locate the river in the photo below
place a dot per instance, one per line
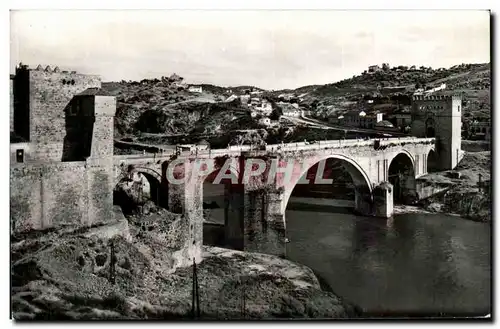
(414, 264)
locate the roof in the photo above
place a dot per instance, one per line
(203, 142)
(384, 123)
(352, 113)
(94, 92)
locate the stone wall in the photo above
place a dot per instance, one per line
(59, 195)
(444, 115)
(49, 95)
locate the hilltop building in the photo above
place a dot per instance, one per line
(195, 89)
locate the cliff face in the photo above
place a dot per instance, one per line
(469, 195)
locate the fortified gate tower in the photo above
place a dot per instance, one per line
(62, 158)
(440, 116)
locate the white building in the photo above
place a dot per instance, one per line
(265, 121)
(195, 89)
(265, 108)
(289, 110)
(360, 119)
(231, 98)
(244, 99)
(441, 87)
(255, 93)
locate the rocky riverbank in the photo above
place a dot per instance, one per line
(68, 276)
(466, 191)
(469, 188)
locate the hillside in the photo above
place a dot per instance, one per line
(394, 86)
(160, 106)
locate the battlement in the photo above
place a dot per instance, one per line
(48, 70)
(436, 97)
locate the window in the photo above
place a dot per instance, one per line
(20, 155)
(458, 107)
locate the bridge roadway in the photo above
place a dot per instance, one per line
(347, 128)
(235, 151)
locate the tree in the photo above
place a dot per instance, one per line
(276, 113)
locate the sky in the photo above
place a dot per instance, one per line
(267, 49)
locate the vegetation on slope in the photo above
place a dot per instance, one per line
(394, 86)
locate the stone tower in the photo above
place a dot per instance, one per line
(67, 122)
(40, 99)
(440, 116)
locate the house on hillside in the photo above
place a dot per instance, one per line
(336, 120)
(441, 87)
(360, 119)
(244, 99)
(370, 120)
(195, 89)
(265, 121)
(231, 98)
(264, 107)
(400, 118)
(481, 130)
(385, 125)
(373, 68)
(289, 110)
(174, 77)
(351, 119)
(255, 93)
(255, 101)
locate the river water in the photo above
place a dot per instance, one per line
(413, 264)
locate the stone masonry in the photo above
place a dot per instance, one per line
(63, 174)
(440, 116)
(255, 210)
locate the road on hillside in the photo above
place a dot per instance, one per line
(309, 120)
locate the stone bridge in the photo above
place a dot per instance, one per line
(255, 205)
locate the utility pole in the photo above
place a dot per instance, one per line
(195, 309)
(243, 301)
(112, 275)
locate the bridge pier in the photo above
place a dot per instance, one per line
(254, 221)
(383, 200)
(264, 229)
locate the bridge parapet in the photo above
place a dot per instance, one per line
(255, 151)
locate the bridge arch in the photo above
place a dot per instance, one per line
(432, 161)
(401, 174)
(143, 183)
(361, 180)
